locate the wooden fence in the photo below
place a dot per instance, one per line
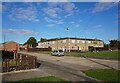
(21, 62)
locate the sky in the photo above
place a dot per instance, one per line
(21, 20)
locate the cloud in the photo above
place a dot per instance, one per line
(98, 26)
(102, 6)
(68, 15)
(69, 7)
(51, 25)
(77, 25)
(29, 13)
(49, 20)
(60, 10)
(72, 22)
(98, 30)
(56, 12)
(108, 0)
(52, 11)
(57, 0)
(60, 22)
(33, 1)
(17, 31)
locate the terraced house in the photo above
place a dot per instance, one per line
(70, 44)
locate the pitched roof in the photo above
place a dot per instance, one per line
(53, 39)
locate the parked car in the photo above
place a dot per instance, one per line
(58, 53)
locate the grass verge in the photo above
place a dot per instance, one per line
(108, 75)
(114, 54)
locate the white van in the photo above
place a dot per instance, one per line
(58, 53)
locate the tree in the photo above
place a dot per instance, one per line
(115, 44)
(32, 42)
(106, 46)
(43, 39)
(25, 43)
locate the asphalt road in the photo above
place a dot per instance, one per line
(66, 67)
(77, 63)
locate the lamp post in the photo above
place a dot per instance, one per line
(68, 39)
(57, 43)
(85, 44)
(4, 40)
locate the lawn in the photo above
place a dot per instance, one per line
(113, 54)
(49, 79)
(108, 75)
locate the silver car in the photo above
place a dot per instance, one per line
(58, 53)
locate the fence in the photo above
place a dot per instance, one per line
(21, 62)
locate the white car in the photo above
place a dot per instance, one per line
(58, 53)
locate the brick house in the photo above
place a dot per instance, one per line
(70, 44)
(10, 46)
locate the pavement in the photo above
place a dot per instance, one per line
(23, 74)
(66, 67)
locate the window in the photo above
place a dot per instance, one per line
(73, 47)
(73, 41)
(78, 41)
(83, 41)
(89, 41)
(60, 51)
(64, 41)
(39, 43)
(53, 42)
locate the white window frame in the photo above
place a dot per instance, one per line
(64, 41)
(83, 41)
(53, 42)
(89, 42)
(73, 41)
(78, 41)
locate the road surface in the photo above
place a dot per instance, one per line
(66, 67)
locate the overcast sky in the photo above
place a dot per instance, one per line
(22, 20)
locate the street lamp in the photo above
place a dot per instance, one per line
(85, 44)
(68, 39)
